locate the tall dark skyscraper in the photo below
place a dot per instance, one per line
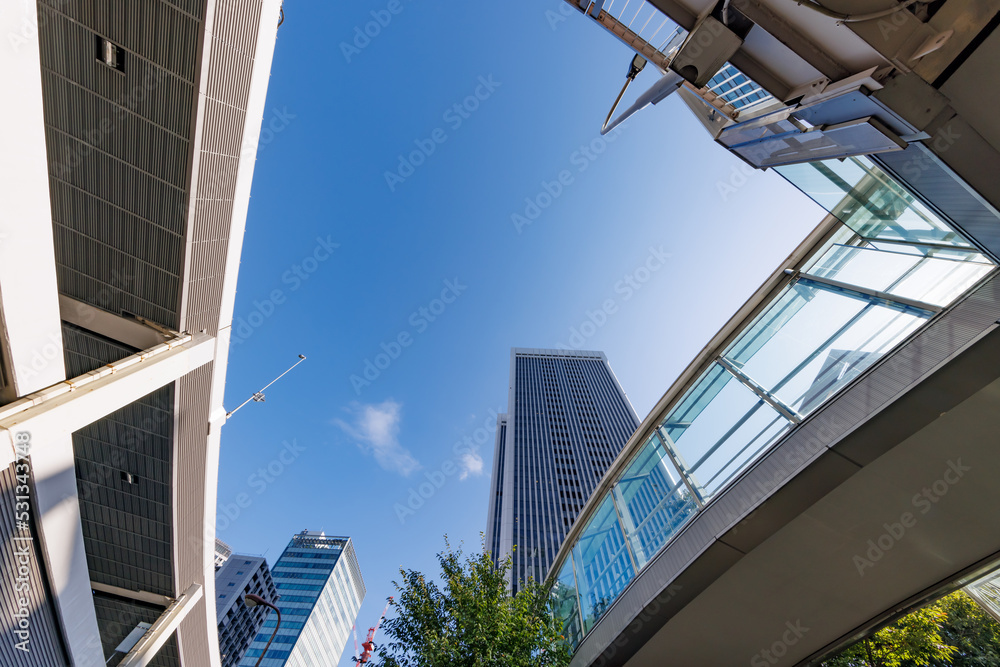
(496, 489)
(567, 419)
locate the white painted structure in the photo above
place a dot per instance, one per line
(54, 279)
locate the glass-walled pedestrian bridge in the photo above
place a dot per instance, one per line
(873, 275)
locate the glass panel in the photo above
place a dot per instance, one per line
(565, 606)
(934, 280)
(736, 88)
(987, 592)
(694, 401)
(811, 342)
(728, 432)
(940, 252)
(843, 236)
(652, 500)
(603, 565)
(868, 201)
(815, 145)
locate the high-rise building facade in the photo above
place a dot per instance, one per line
(126, 187)
(320, 591)
(496, 490)
(238, 623)
(566, 421)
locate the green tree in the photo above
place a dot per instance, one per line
(471, 620)
(915, 639)
(973, 633)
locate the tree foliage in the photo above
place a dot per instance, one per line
(973, 633)
(471, 619)
(952, 632)
(913, 640)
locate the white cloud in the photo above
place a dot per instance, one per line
(375, 428)
(470, 463)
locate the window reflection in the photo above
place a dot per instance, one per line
(565, 605)
(653, 501)
(603, 565)
(891, 267)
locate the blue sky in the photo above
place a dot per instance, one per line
(433, 267)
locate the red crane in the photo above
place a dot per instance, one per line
(369, 643)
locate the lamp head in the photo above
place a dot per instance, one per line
(635, 67)
(252, 600)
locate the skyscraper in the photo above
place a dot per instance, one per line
(566, 421)
(493, 531)
(321, 590)
(238, 623)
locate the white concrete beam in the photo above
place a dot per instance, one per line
(49, 418)
(31, 346)
(70, 405)
(139, 596)
(30, 334)
(154, 639)
(128, 331)
(196, 561)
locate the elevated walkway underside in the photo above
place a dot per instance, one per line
(883, 499)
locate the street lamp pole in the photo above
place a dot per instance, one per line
(667, 84)
(252, 600)
(259, 395)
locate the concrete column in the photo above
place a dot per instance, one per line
(31, 337)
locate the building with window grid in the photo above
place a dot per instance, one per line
(496, 488)
(320, 591)
(238, 623)
(127, 183)
(566, 421)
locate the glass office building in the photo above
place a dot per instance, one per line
(567, 420)
(320, 591)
